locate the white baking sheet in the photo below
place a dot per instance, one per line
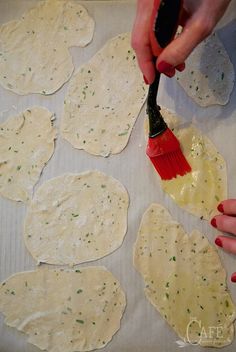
(142, 328)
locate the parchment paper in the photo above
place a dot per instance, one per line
(142, 328)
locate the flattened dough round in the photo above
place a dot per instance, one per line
(200, 191)
(209, 74)
(184, 279)
(47, 31)
(75, 218)
(104, 99)
(26, 144)
(63, 310)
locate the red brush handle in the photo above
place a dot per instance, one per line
(172, 22)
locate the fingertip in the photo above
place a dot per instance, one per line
(213, 222)
(165, 68)
(220, 208)
(218, 242)
(170, 74)
(228, 207)
(233, 277)
(180, 67)
(227, 243)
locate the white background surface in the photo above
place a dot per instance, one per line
(142, 328)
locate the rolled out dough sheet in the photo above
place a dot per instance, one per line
(26, 145)
(184, 280)
(34, 55)
(209, 74)
(200, 191)
(61, 310)
(75, 218)
(104, 99)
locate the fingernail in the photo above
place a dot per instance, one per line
(170, 74)
(180, 67)
(213, 222)
(164, 67)
(220, 208)
(233, 277)
(145, 79)
(218, 242)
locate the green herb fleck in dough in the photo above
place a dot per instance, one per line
(79, 321)
(123, 133)
(173, 258)
(80, 291)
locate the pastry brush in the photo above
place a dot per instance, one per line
(163, 147)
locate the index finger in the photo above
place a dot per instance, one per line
(140, 39)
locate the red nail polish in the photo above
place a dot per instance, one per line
(164, 67)
(180, 67)
(220, 208)
(213, 222)
(218, 242)
(145, 79)
(170, 74)
(233, 277)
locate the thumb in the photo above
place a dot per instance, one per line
(182, 46)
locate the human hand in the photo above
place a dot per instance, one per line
(226, 222)
(198, 19)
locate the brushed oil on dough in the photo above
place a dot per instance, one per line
(184, 279)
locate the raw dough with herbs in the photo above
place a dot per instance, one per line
(26, 144)
(200, 191)
(75, 218)
(190, 293)
(62, 310)
(209, 74)
(34, 55)
(104, 99)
